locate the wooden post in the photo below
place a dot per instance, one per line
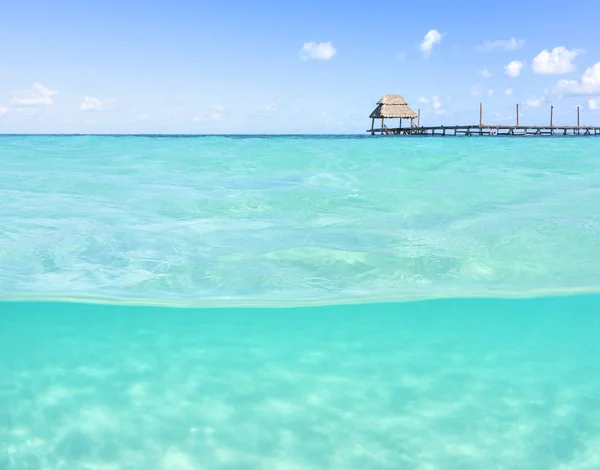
(480, 114)
(578, 116)
(381, 126)
(419, 117)
(373, 124)
(517, 114)
(551, 113)
(400, 123)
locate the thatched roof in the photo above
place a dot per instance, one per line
(389, 111)
(393, 106)
(392, 99)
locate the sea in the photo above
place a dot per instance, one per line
(299, 302)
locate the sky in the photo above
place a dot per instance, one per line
(291, 67)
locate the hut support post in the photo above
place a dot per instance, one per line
(480, 114)
(400, 123)
(419, 118)
(577, 116)
(551, 114)
(517, 114)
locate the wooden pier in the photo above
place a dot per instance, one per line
(394, 106)
(476, 130)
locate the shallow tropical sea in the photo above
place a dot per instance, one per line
(299, 302)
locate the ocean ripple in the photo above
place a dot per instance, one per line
(286, 220)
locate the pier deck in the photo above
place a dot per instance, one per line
(487, 130)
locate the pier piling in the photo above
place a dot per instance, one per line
(480, 114)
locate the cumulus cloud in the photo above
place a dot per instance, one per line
(432, 38)
(38, 95)
(508, 92)
(485, 73)
(557, 61)
(588, 84)
(593, 104)
(513, 69)
(490, 92)
(271, 108)
(214, 113)
(3, 110)
(511, 44)
(95, 104)
(317, 51)
(536, 102)
(435, 104)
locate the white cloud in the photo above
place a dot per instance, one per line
(536, 102)
(508, 92)
(476, 90)
(503, 117)
(490, 92)
(3, 110)
(271, 108)
(588, 84)
(95, 104)
(432, 38)
(317, 50)
(511, 44)
(485, 73)
(593, 104)
(513, 69)
(435, 103)
(557, 61)
(214, 113)
(38, 95)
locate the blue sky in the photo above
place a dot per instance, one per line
(239, 67)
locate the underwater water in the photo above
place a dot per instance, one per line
(299, 303)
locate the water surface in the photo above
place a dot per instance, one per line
(495, 366)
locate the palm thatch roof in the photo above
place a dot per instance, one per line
(393, 106)
(392, 99)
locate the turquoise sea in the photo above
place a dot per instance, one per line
(299, 302)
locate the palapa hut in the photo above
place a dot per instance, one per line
(391, 107)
